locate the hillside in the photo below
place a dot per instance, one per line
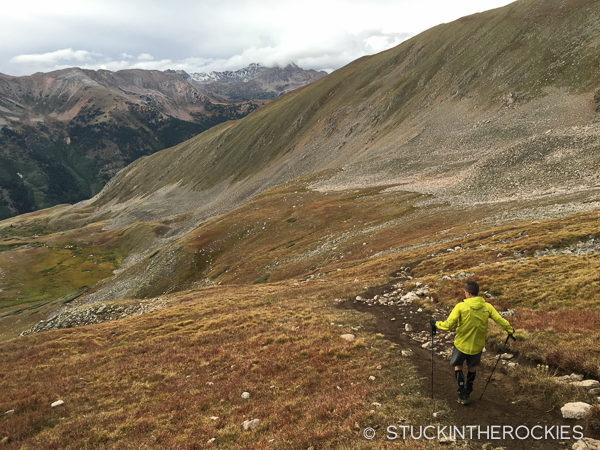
(471, 111)
(359, 204)
(64, 134)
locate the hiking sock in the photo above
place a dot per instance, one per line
(470, 380)
(460, 379)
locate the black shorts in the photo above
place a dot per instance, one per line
(459, 357)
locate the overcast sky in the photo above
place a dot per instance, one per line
(204, 35)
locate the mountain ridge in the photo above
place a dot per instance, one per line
(255, 81)
(67, 132)
(321, 232)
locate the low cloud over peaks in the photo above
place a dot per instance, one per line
(211, 35)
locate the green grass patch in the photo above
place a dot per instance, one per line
(26, 308)
(262, 279)
(70, 297)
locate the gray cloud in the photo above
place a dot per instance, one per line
(211, 34)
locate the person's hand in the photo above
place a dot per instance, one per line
(433, 327)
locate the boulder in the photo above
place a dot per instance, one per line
(57, 403)
(245, 394)
(569, 378)
(348, 337)
(587, 444)
(408, 327)
(250, 424)
(587, 384)
(575, 410)
(411, 296)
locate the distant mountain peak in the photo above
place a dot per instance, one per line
(254, 81)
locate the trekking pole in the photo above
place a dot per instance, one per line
(510, 336)
(433, 330)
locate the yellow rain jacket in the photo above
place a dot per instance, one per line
(472, 316)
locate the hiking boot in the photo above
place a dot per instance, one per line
(463, 397)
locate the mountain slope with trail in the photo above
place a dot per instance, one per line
(467, 152)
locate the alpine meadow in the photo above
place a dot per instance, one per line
(271, 281)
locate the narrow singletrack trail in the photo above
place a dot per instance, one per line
(503, 402)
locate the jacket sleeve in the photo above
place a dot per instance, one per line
(501, 321)
(451, 321)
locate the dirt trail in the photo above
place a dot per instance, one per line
(502, 403)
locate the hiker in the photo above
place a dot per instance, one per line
(471, 315)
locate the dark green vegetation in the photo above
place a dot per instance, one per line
(64, 134)
(56, 171)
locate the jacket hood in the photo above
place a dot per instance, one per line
(475, 302)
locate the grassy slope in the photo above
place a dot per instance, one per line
(127, 381)
(42, 269)
(373, 106)
(157, 379)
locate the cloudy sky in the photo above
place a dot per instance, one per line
(204, 35)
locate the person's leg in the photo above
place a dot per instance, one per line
(456, 362)
(470, 380)
(472, 363)
(460, 380)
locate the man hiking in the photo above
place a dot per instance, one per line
(471, 315)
